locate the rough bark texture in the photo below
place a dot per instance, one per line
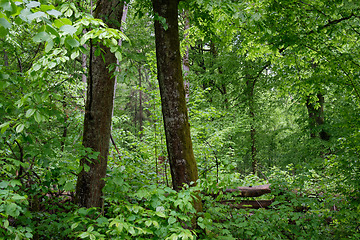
(177, 129)
(98, 112)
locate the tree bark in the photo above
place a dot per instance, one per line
(177, 129)
(98, 112)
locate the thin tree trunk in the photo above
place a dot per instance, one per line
(98, 113)
(177, 129)
(250, 91)
(140, 105)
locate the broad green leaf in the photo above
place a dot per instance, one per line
(5, 23)
(12, 210)
(49, 45)
(30, 112)
(118, 56)
(61, 22)
(41, 37)
(72, 42)
(35, 15)
(32, 4)
(3, 31)
(54, 13)
(45, 7)
(68, 29)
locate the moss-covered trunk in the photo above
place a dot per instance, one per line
(177, 129)
(98, 112)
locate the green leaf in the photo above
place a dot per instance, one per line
(72, 42)
(49, 45)
(74, 55)
(30, 112)
(83, 235)
(45, 8)
(68, 29)
(171, 220)
(41, 36)
(35, 15)
(32, 4)
(3, 31)
(74, 225)
(118, 55)
(5, 23)
(61, 22)
(4, 126)
(12, 210)
(38, 117)
(19, 128)
(54, 13)
(6, 224)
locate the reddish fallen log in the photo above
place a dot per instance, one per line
(254, 191)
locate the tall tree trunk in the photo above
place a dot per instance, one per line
(140, 105)
(250, 85)
(177, 129)
(316, 117)
(98, 112)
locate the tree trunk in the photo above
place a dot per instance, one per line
(177, 129)
(316, 117)
(98, 112)
(250, 85)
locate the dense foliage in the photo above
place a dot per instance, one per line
(273, 97)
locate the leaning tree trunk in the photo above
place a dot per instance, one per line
(98, 112)
(177, 129)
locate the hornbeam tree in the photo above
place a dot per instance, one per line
(177, 129)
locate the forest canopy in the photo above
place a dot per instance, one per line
(181, 119)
